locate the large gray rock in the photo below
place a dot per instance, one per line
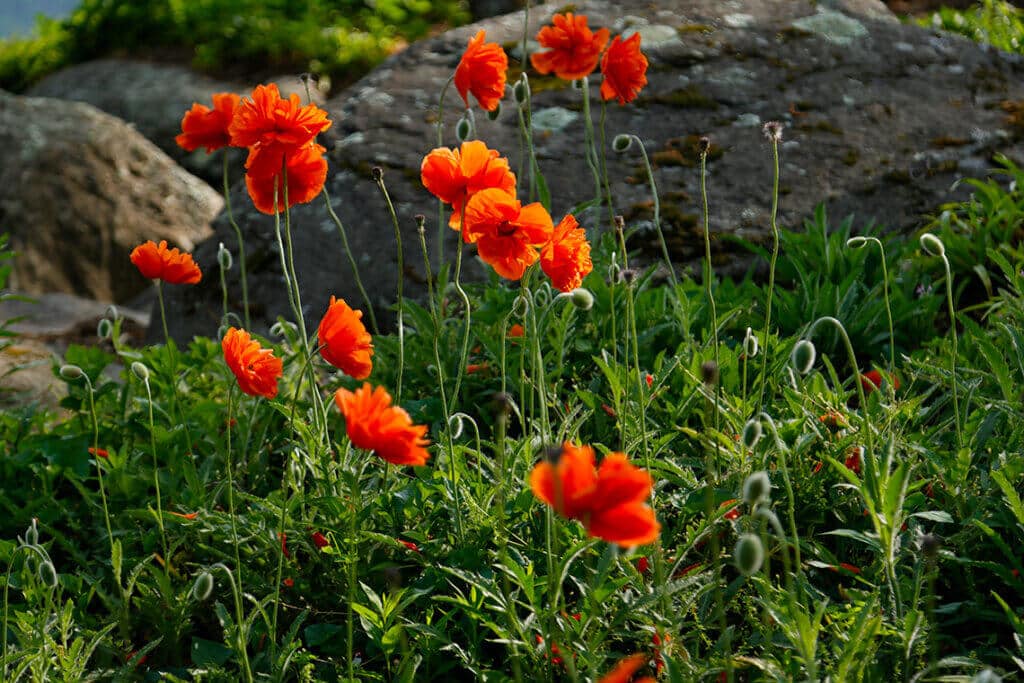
(79, 189)
(881, 119)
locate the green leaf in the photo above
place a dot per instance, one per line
(208, 653)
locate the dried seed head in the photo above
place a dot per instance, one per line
(703, 145)
(503, 403)
(803, 356)
(709, 372)
(620, 223)
(421, 223)
(933, 245)
(203, 586)
(627, 275)
(752, 432)
(224, 257)
(757, 488)
(748, 554)
(582, 299)
(622, 142)
(750, 345)
(140, 371)
(772, 131)
(48, 574)
(377, 173)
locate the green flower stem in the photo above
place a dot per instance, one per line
(888, 308)
(351, 260)
(771, 271)
(657, 210)
(790, 499)
(156, 477)
(401, 277)
(604, 167)
(523, 113)
(952, 358)
(241, 632)
(464, 354)
(99, 469)
(241, 247)
(865, 425)
(589, 139)
(172, 359)
(442, 224)
(231, 492)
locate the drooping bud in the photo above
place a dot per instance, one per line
(140, 371)
(750, 345)
(71, 372)
(494, 113)
(622, 142)
(803, 356)
(857, 242)
(582, 299)
(463, 129)
(748, 554)
(203, 586)
(933, 245)
(752, 432)
(48, 574)
(224, 257)
(521, 90)
(757, 488)
(104, 328)
(377, 173)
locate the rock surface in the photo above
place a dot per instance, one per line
(79, 189)
(881, 119)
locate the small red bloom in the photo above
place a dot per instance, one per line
(157, 262)
(643, 565)
(872, 379)
(733, 513)
(319, 540)
(649, 378)
(657, 641)
(687, 570)
(608, 410)
(624, 670)
(346, 343)
(189, 515)
(482, 72)
(205, 127)
(284, 545)
(409, 544)
(573, 50)
(255, 368)
(288, 583)
(99, 452)
(853, 459)
(625, 70)
(818, 466)
(516, 331)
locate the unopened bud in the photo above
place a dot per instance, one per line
(224, 257)
(521, 90)
(140, 371)
(455, 423)
(32, 534)
(104, 328)
(203, 586)
(752, 432)
(622, 142)
(377, 173)
(803, 356)
(709, 372)
(750, 345)
(757, 488)
(463, 130)
(748, 554)
(582, 299)
(494, 113)
(71, 372)
(48, 574)
(933, 245)
(857, 242)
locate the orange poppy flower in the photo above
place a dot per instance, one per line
(345, 341)
(566, 258)
(255, 367)
(482, 72)
(624, 68)
(573, 49)
(205, 127)
(274, 127)
(307, 172)
(455, 175)
(99, 452)
(373, 424)
(624, 670)
(184, 515)
(507, 234)
(516, 331)
(872, 379)
(157, 262)
(608, 500)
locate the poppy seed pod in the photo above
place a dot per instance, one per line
(933, 245)
(750, 345)
(703, 145)
(622, 142)
(582, 299)
(203, 586)
(803, 356)
(857, 242)
(463, 129)
(224, 257)
(71, 372)
(758, 487)
(752, 432)
(48, 574)
(494, 113)
(104, 328)
(140, 371)
(748, 554)
(521, 90)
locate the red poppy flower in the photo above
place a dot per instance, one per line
(284, 545)
(507, 234)
(306, 174)
(319, 540)
(624, 68)
(473, 368)
(373, 424)
(657, 641)
(846, 566)
(288, 583)
(274, 127)
(205, 127)
(608, 410)
(157, 262)
(516, 331)
(345, 341)
(649, 378)
(643, 565)
(733, 513)
(455, 175)
(624, 670)
(482, 72)
(573, 49)
(853, 458)
(255, 367)
(410, 545)
(608, 500)
(566, 258)
(99, 452)
(189, 516)
(872, 379)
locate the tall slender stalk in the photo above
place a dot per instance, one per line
(378, 174)
(657, 209)
(464, 354)
(774, 132)
(351, 260)
(156, 477)
(441, 222)
(241, 245)
(231, 489)
(604, 164)
(172, 359)
(589, 141)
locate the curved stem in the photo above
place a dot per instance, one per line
(952, 360)
(241, 245)
(657, 209)
(858, 378)
(351, 260)
(401, 278)
(464, 355)
(589, 139)
(604, 164)
(771, 272)
(156, 478)
(441, 222)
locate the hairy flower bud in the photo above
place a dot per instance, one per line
(140, 371)
(224, 257)
(622, 142)
(803, 356)
(494, 113)
(463, 129)
(582, 299)
(933, 245)
(752, 432)
(104, 328)
(750, 345)
(48, 574)
(772, 131)
(203, 586)
(71, 372)
(857, 242)
(521, 90)
(757, 488)
(748, 554)
(32, 533)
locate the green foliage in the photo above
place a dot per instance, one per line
(998, 22)
(339, 39)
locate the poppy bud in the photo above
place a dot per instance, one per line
(582, 299)
(748, 554)
(224, 257)
(521, 90)
(494, 113)
(622, 142)
(709, 372)
(752, 433)
(620, 223)
(203, 586)
(933, 245)
(464, 129)
(456, 424)
(857, 242)
(140, 371)
(71, 372)
(757, 488)
(750, 345)
(48, 574)
(112, 312)
(803, 356)
(104, 328)
(32, 534)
